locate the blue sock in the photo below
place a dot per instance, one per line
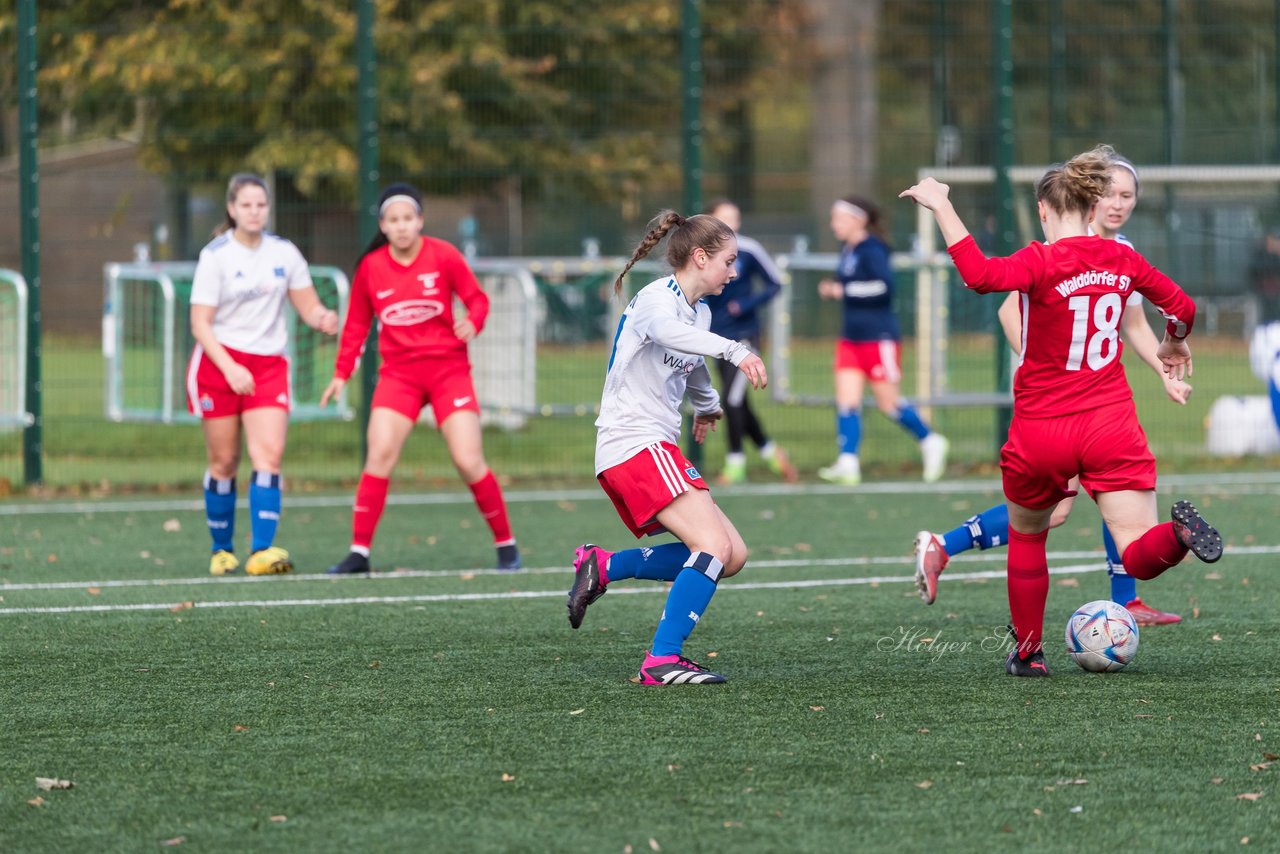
(659, 563)
(688, 599)
(988, 529)
(220, 511)
(1124, 587)
(264, 508)
(1274, 391)
(910, 420)
(848, 430)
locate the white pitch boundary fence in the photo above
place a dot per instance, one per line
(13, 355)
(146, 342)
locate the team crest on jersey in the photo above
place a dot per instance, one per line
(279, 272)
(206, 403)
(410, 312)
(692, 473)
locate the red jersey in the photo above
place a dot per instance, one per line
(413, 304)
(1074, 291)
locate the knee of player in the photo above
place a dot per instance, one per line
(737, 560)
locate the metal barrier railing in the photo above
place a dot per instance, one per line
(13, 354)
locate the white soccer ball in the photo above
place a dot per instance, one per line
(1102, 636)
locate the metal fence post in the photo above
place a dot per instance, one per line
(367, 192)
(29, 202)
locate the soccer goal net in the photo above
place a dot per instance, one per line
(146, 343)
(13, 350)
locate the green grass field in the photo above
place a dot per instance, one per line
(86, 453)
(440, 706)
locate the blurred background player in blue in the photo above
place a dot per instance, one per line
(735, 315)
(991, 527)
(869, 349)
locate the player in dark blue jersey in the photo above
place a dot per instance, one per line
(869, 349)
(735, 315)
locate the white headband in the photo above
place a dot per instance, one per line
(400, 197)
(850, 208)
(1132, 171)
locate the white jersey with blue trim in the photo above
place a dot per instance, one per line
(1135, 298)
(247, 286)
(658, 357)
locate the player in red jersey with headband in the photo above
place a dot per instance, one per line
(1073, 409)
(408, 281)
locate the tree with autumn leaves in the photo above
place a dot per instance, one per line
(470, 92)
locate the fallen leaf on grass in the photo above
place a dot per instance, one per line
(1248, 796)
(94, 591)
(1212, 576)
(1215, 780)
(924, 730)
(817, 708)
(924, 784)
(468, 576)
(46, 784)
(507, 778)
(1037, 812)
(1271, 757)
(1216, 637)
(53, 558)
(37, 801)
(712, 654)
(279, 818)
(172, 526)
(1144, 716)
(1079, 781)
(577, 711)
(183, 606)
(1076, 808)
(653, 844)
(240, 728)
(1068, 582)
(375, 664)
(177, 840)
(803, 547)
(1195, 613)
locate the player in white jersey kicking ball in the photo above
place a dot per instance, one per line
(658, 357)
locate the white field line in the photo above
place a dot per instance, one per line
(512, 594)
(994, 556)
(1241, 483)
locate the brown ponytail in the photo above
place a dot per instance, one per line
(702, 231)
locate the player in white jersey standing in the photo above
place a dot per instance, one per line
(658, 357)
(238, 379)
(991, 527)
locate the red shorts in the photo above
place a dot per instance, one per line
(1106, 447)
(444, 384)
(881, 361)
(209, 396)
(648, 482)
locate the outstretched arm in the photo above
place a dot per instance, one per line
(934, 195)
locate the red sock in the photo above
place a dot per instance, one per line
(493, 508)
(371, 498)
(1154, 552)
(1028, 572)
